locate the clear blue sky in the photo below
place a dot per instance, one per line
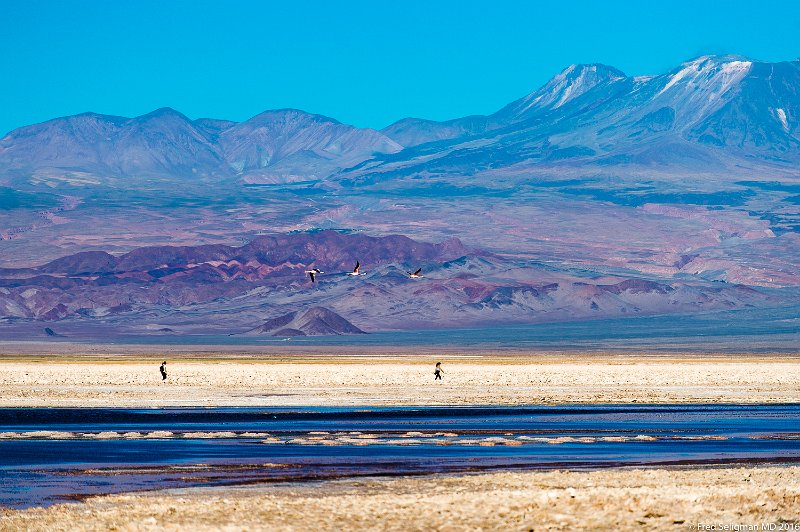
(366, 63)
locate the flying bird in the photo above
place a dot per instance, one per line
(416, 275)
(313, 272)
(355, 271)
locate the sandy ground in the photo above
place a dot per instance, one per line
(133, 380)
(622, 499)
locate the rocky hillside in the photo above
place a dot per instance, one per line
(233, 290)
(316, 321)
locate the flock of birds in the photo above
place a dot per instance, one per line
(313, 272)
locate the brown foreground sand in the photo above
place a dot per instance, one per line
(622, 499)
(133, 380)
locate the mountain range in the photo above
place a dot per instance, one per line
(272, 146)
(709, 111)
(598, 194)
(722, 102)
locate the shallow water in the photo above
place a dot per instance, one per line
(52, 455)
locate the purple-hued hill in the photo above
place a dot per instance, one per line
(230, 290)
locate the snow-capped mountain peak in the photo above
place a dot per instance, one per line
(715, 75)
(574, 81)
(571, 83)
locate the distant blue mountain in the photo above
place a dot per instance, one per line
(702, 114)
(717, 100)
(275, 146)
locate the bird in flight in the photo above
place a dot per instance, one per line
(313, 272)
(355, 271)
(416, 275)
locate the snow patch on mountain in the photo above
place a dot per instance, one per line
(782, 119)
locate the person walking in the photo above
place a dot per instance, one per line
(438, 372)
(163, 370)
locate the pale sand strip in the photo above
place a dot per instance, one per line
(294, 380)
(623, 499)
